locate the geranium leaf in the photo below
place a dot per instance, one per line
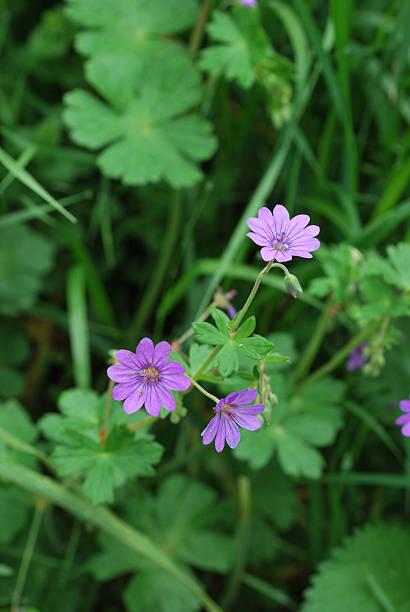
(242, 44)
(371, 563)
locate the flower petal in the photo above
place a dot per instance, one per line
(247, 396)
(254, 409)
(265, 215)
(405, 405)
(121, 374)
(284, 255)
(300, 253)
(135, 400)
(171, 368)
(162, 353)
(123, 390)
(220, 435)
(297, 224)
(176, 382)
(259, 239)
(311, 230)
(211, 430)
(280, 219)
(152, 401)
(128, 359)
(145, 351)
(247, 421)
(404, 418)
(268, 254)
(166, 397)
(261, 226)
(306, 244)
(232, 433)
(405, 430)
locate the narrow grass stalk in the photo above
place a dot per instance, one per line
(10, 440)
(104, 428)
(29, 181)
(158, 276)
(198, 31)
(27, 555)
(103, 519)
(242, 542)
(264, 588)
(314, 343)
(341, 355)
(78, 327)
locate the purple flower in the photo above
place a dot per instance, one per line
(230, 309)
(357, 358)
(249, 2)
(232, 411)
(404, 419)
(146, 377)
(281, 237)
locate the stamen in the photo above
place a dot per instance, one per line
(280, 243)
(150, 375)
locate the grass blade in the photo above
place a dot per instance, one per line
(103, 519)
(375, 426)
(78, 327)
(15, 168)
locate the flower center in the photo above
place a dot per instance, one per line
(150, 375)
(228, 410)
(280, 243)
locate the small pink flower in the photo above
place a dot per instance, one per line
(249, 2)
(146, 377)
(232, 411)
(281, 237)
(404, 419)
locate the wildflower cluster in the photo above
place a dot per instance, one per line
(149, 377)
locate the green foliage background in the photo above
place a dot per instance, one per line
(136, 139)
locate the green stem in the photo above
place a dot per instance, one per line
(265, 588)
(147, 421)
(147, 302)
(104, 428)
(314, 343)
(242, 312)
(342, 353)
(202, 390)
(14, 442)
(242, 541)
(203, 317)
(27, 555)
(198, 30)
(103, 519)
(206, 363)
(254, 289)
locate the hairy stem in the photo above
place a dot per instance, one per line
(253, 292)
(202, 390)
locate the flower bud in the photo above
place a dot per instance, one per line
(292, 285)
